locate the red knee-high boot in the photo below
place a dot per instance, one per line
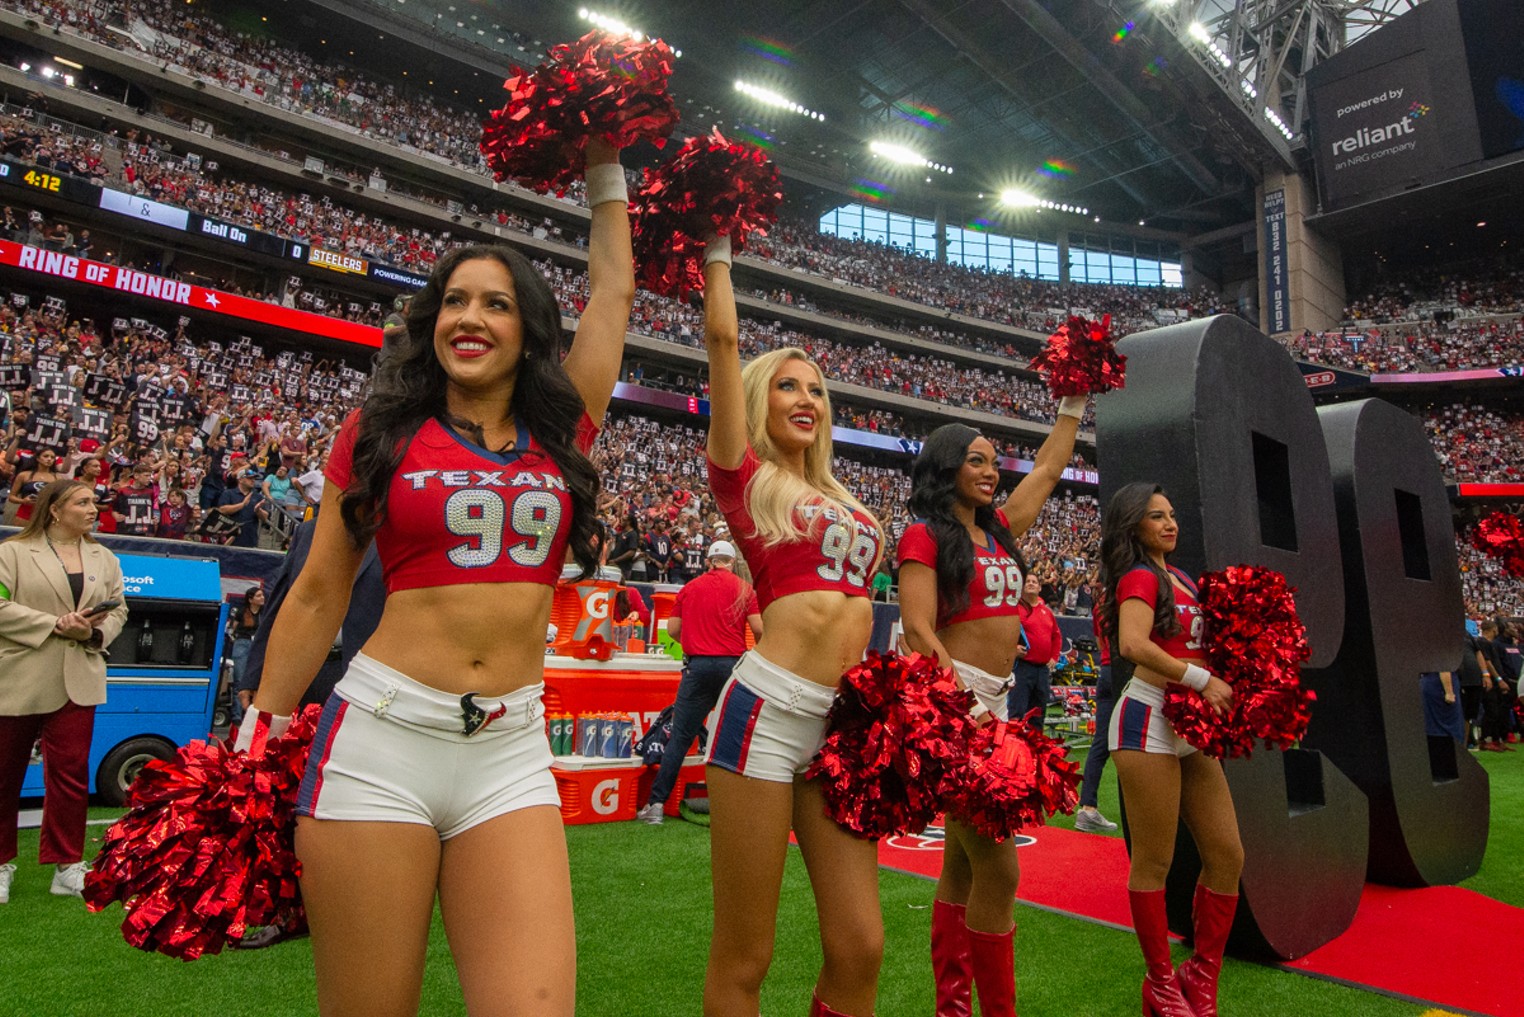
(994, 956)
(1161, 992)
(951, 962)
(1212, 916)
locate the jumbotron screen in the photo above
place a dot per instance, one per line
(1435, 93)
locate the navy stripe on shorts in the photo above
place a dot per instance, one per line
(737, 720)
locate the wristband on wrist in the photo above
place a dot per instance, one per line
(717, 249)
(1072, 406)
(1196, 677)
(259, 728)
(605, 182)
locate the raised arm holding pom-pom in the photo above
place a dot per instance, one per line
(811, 548)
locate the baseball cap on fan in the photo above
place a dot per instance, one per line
(722, 549)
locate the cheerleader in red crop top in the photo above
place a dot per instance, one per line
(430, 769)
(1151, 608)
(961, 579)
(812, 549)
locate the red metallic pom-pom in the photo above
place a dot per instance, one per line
(205, 850)
(1081, 358)
(1013, 776)
(596, 87)
(710, 186)
(896, 726)
(1255, 642)
(1500, 536)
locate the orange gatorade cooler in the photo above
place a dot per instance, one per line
(598, 790)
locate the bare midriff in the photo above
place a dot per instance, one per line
(487, 638)
(987, 643)
(817, 634)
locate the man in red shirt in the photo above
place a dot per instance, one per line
(709, 619)
(1041, 642)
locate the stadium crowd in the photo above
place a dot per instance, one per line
(1476, 444)
(211, 426)
(216, 427)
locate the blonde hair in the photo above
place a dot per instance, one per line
(774, 493)
(42, 508)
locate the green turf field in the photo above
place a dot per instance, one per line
(643, 925)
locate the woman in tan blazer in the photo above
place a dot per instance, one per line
(54, 578)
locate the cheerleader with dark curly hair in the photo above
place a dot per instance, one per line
(961, 580)
(429, 773)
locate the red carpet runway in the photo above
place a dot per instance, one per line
(1431, 946)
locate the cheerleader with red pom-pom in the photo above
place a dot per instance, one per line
(429, 773)
(812, 548)
(1152, 614)
(961, 578)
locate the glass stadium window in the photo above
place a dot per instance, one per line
(1047, 261)
(1148, 273)
(1124, 270)
(875, 226)
(1172, 276)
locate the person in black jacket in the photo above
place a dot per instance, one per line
(365, 606)
(1496, 691)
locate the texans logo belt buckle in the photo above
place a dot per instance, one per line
(473, 717)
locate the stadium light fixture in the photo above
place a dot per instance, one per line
(1278, 123)
(68, 63)
(768, 97)
(614, 26)
(904, 156)
(1015, 197)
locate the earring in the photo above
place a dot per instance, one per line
(528, 355)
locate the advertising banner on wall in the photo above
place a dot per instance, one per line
(1277, 287)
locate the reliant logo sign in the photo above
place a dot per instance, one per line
(1381, 128)
(1398, 132)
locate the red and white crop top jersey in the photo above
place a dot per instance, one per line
(457, 513)
(994, 591)
(836, 554)
(1142, 582)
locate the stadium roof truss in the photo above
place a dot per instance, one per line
(1258, 53)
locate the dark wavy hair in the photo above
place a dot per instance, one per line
(1121, 552)
(933, 492)
(409, 387)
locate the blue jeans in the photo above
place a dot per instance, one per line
(699, 690)
(1033, 689)
(1100, 746)
(240, 655)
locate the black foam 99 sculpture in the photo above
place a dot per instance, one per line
(1220, 416)
(1429, 803)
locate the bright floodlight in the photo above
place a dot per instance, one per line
(1198, 32)
(611, 25)
(905, 156)
(768, 97)
(897, 153)
(1019, 199)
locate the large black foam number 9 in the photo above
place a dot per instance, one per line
(847, 552)
(480, 513)
(1218, 414)
(1004, 585)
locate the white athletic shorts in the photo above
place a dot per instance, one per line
(770, 722)
(389, 749)
(987, 688)
(1138, 722)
